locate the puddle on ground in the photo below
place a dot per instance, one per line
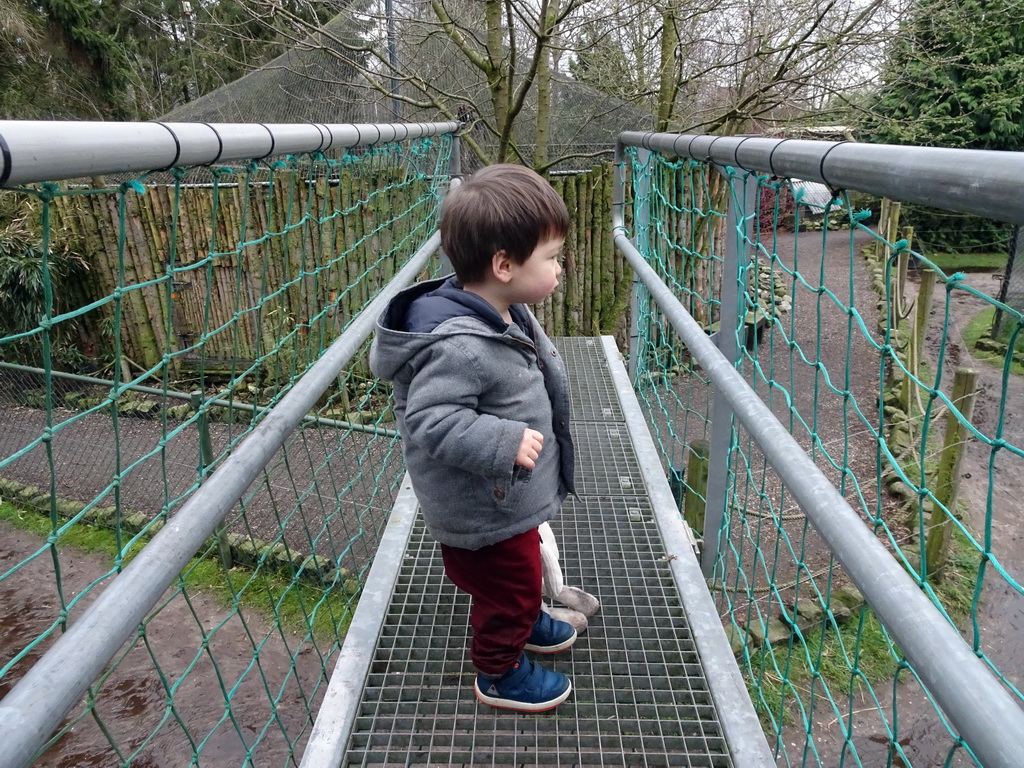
(132, 706)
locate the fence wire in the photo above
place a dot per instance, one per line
(201, 296)
(831, 339)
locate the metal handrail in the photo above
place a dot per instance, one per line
(37, 150)
(982, 182)
(987, 717)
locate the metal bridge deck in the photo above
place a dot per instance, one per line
(640, 697)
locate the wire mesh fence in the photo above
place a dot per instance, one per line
(188, 303)
(869, 368)
(204, 295)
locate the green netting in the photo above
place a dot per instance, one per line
(201, 296)
(828, 338)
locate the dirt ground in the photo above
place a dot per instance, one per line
(357, 468)
(999, 620)
(221, 693)
(1001, 616)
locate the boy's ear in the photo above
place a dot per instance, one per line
(501, 266)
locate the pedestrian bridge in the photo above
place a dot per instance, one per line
(212, 556)
(655, 680)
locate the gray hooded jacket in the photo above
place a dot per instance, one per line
(467, 385)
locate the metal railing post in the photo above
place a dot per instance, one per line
(735, 261)
(455, 163)
(641, 238)
(206, 458)
(455, 176)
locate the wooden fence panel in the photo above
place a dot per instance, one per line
(312, 260)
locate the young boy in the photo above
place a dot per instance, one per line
(482, 402)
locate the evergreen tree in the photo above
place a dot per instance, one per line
(60, 58)
(133, 59)
(954, 79)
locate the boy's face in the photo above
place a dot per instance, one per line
(537, 277)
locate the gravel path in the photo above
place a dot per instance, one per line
(1000, 616)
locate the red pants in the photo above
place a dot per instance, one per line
(504, 581)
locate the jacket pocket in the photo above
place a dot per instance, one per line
(509, 493)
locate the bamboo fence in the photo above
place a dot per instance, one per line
(277, 266)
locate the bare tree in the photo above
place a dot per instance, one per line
(719, 67)
(512, 65)
(499, 61)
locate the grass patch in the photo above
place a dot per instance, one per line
(979, 328)
(968, 262)
(294, 604)
(85, 538)
(821, 661)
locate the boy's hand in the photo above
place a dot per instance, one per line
(530, 448)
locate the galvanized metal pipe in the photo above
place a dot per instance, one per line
(340, 706)
(455, 162)
(985, 715)
(642, 223)
(737, 257)
(36, 150)
(189, 397)
(51, 687)
(983, 182)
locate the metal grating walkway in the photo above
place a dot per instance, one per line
(640, 693)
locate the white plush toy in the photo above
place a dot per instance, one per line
(578, 605)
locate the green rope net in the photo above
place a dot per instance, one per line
(840, 334)
(200, 296)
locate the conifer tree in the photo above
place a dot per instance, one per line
(954, 79)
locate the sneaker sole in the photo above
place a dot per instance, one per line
(520, 706)
(552, 648)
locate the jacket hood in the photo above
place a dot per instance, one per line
(409, 323)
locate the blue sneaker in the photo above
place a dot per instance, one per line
(527, 687)
(550, 635)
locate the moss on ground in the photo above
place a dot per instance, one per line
(297, 605)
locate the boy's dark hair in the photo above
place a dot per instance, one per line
(499, 208)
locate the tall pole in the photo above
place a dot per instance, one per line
(396, 106)
(193, 83)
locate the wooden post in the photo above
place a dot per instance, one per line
(696, 490)
(883, 228)
(924, 308)
(947, 485)
(911, 350)
(896, 285)
(206, 458)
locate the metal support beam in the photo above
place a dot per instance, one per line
(641, 228)
(736, 259)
